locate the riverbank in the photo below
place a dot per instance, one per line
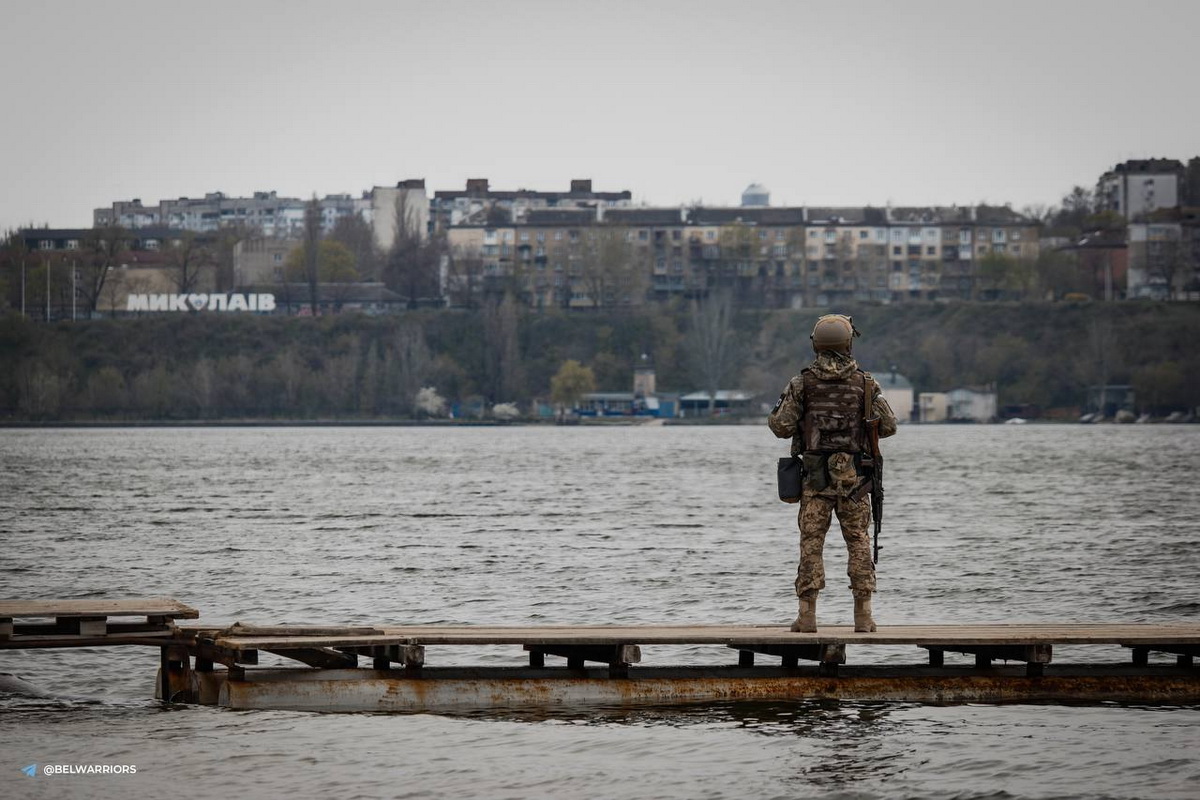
(206, 367)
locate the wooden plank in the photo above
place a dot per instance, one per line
(46, 642)
(733, 635)
(238, 629)
(69, 626)
(98, 607)
(320, 657)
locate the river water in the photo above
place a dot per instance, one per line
(635, 524)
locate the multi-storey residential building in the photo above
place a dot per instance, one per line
(1164, 256)
(478, 204)
(846, 250)
(389, 204)
(265, 212)
(757, 253)
(658, 240)
(767, 257)
(1139, 187)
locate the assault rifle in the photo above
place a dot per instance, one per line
(874, 464)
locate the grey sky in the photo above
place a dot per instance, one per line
(823, 102)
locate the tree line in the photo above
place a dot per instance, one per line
(196, 366)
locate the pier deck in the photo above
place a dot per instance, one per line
(397, 677)
(89, 622)
(619, 646)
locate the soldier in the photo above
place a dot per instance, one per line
(823, 410)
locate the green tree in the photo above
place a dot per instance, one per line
(1077, 206)
(335, 263)
(1004, 275)
(1161, 387)
(106, 392)
(335, 268)
(570, 384)
(1058, 271)
(355, 233)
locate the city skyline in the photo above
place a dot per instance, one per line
(929, 104)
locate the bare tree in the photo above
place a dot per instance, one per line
(503, 372)
(102, 251)
(1102, 357)
(187, 258)
(1166, 260)
(413, 264)
(712, 346)
(224, 247)
(609, 268)
(465, 277)
(312, 238)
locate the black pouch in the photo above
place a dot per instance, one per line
(791, 476)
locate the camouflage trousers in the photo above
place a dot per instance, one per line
(854, 516)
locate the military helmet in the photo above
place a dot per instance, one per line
(833, 332)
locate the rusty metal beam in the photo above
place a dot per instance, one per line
(447, 688)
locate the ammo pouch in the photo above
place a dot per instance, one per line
(791, 476)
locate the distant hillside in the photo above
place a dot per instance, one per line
(224, 366)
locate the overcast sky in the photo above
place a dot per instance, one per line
(825, 103)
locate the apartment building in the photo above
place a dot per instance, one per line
(1164, 256)
(389, 207)
(1141, 186)
(479, 204)
(266, 212)
(766, 257)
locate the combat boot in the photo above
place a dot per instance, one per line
(863, 623)
(806, 620)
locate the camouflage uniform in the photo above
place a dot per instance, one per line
(831, 479)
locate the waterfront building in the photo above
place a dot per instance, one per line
(971, 404)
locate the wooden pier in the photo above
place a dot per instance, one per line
(385, 667)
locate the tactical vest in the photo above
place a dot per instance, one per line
(834, 413)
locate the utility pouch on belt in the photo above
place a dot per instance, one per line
(816, 466)
(791, 476)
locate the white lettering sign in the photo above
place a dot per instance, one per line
(200, 302)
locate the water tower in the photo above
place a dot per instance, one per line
(756, 195)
